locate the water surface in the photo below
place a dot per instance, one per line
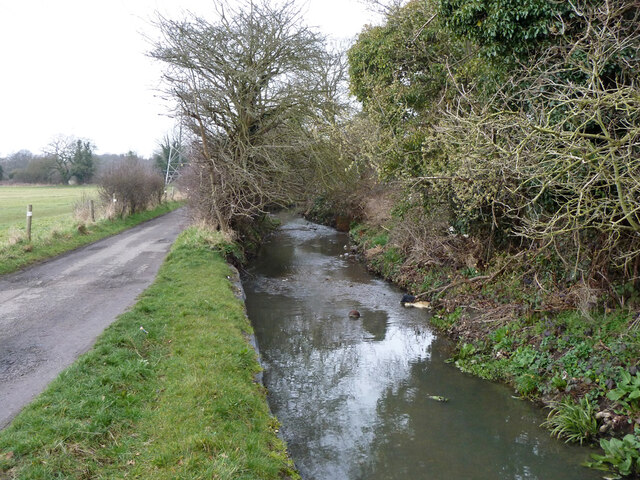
(353, 395)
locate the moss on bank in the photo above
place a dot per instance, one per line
(168, 390)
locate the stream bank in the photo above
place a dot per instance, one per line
(581, 363)
(373, 397)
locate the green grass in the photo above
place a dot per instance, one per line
(68, 235)
(51, 205)
(178, 402)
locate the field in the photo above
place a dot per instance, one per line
(61, 222)
(51, 205)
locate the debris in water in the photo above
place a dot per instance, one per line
(438, 398)
(406, 298)
(412, 301)
(418, 305)
(354, 314)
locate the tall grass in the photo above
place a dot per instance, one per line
(573, 421)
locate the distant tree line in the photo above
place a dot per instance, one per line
(70, 160)
(66, 160)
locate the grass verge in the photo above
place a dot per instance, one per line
(14, 256)
(167, 392)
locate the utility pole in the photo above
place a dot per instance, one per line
(175, 162)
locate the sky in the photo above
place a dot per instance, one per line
(79, 68)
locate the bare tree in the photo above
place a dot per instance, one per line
(254, 89)
(73, 157)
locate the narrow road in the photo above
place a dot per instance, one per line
(53, 312)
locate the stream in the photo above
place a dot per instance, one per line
(353, 395)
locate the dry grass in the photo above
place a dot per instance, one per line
(377, 204)
(15, 236)
(425, 240)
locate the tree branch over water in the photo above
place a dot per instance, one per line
(256, 88)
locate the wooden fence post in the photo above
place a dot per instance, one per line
(29, 217)
(92, 209)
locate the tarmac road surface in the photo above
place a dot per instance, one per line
(53, 312)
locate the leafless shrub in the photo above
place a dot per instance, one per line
(426, 240)
(255, 89)
(132, 183)
(109, 210)
(554, 156)
(585, 298)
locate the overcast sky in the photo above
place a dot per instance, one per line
(78, 67)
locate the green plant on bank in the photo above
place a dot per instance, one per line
(627, 391)
(466, 351)
(379, 240)
(573, 421)
(368, 237)
(431, 279)
(167, 392)
(14, 256)
(388, 263)
(621, 455)
(444, 321)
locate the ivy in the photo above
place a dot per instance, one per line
(503, 29)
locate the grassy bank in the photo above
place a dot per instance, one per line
(581, 363)
(68, 235)
(176, 400)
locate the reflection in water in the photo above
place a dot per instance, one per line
(353, 395)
